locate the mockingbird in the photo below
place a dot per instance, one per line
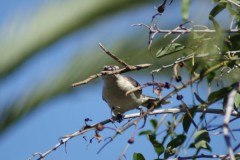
(114, 92)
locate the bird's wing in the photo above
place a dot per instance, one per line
(104, 99)
(149, 100)
(134, 82)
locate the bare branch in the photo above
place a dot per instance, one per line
(85, 129)
(126, 69)
(123, 70)
(154, 30)
(204, 156)
(92, 77)
(115, 57)
(190, 30)
(229, 107)
(179, 60)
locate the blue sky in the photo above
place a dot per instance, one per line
(65, 113)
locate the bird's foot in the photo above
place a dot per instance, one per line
(119, 117)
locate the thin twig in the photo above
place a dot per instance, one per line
(154, 30)
(123, 152)
(220, 126)
(179, 60)
(122, 70)
(115, 57)
(232, 130)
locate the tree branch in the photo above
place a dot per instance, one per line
(87, 128)
(204, 156)
(114, 57)
(180, 31)
(229, 107)
(126, 69)
(118, 71)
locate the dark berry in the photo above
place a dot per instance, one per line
(161, 9)
(178, 78)
(99, 127)
(179, 97)
(131, 140)
(167, 85)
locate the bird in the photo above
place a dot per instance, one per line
(114, 91)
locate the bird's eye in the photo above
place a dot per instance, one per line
(106, 68)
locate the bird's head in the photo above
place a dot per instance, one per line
(110, 68)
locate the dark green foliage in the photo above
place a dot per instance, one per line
(172, 145)
(201, 140)
(158, 147)
(138, 156)
(187, 120)
(220, 94)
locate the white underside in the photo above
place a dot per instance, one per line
(114, 93)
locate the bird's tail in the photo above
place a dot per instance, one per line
(157, 102)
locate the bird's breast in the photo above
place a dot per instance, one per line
(114, 93)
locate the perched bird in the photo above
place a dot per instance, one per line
(114, 91)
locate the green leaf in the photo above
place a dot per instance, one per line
(146, 132)
(185, 9)
(152, 137)
(138, 156)
(187, 120)
(237, 102)
(172, 145)
(169, 49)
(217, 9)
(201, 140)
(198, 98)
(158, 147)
(202, 135)
(217, 95)
(201, 145)
(179, 140)
(217, 27)
(210, 77)
(154, 123)
(215, 23)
